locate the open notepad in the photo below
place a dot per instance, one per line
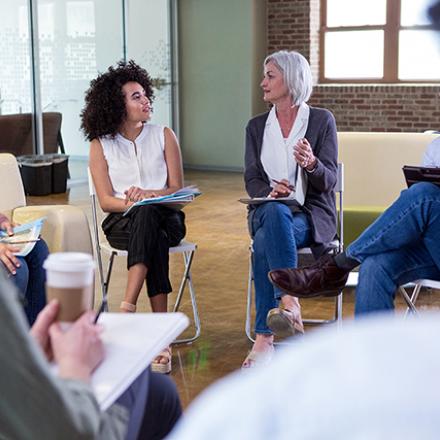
(176, 200)
(25, 236)
(131, 342)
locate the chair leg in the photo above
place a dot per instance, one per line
(187, 280)
(249, 301)
(337, 317)
(338, 309)
(106, 283)
(410, 301)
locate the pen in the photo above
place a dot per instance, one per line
(291, 187)
(101, 309)
(103, 306)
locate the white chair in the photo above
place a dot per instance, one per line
(336, 246)
(186, 248)
(409, 298)
(417, 286)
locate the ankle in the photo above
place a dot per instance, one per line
(127, 307)
(344, 262)
(290, 304)
(263, 341)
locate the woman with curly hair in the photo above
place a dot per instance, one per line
(131, 159)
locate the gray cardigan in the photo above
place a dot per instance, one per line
(34, 402)
(320, 197)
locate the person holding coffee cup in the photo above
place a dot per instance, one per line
(131, 159)
(36, 403)
(27, 272)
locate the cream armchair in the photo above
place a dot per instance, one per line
(66, 227)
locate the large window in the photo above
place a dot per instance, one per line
(51, 49)
(378, 41)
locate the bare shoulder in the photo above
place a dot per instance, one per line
(169, 134)
(96, 152)
(95, 145)
(170, 138)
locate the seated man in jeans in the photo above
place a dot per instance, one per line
(402, 245)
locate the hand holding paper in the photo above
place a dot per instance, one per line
(175, 200)
(24, 237)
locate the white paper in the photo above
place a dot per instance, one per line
(132, 341)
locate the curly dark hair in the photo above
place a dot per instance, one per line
(105, 110)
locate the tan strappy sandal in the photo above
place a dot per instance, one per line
(284, 322)
(127, 307)
(159, 367)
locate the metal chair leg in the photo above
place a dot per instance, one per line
(106, 283)
(187, 280)
(249, 301)
(410, 301)
(338, 309)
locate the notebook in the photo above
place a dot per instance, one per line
(176, 200)
(132, 341)
(25, 236)
(296, 198)
(414, 174)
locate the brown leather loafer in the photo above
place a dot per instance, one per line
(322, 278)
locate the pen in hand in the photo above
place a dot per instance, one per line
(291, 187)
(101, 309)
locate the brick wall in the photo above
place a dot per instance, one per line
(294, 25)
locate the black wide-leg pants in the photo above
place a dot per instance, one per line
(147, 232)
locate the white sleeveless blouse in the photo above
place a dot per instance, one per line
(140, 163)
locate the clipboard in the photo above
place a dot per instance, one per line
(415, 174)
(296, 198)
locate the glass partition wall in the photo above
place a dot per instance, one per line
(15, 71)
(51, 49)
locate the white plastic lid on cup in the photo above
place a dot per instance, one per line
(69, 269)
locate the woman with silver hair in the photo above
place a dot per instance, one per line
(291, 138)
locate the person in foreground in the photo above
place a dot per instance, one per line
(131, 160)
(291, 138)
(27, 272)
(402, 245)
(36, 403)
(376, 379)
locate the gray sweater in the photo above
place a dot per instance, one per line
(34, 403)
(320, 197)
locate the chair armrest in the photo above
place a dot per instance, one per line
(65, 229)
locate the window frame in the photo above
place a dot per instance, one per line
(391, 30)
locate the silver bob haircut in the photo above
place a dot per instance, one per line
(296, 72)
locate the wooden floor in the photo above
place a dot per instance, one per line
(216, 221)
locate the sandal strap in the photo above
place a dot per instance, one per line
(128, 307)
(165, 353)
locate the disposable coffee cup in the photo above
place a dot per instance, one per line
(69, 279)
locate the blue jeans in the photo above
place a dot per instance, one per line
(402, 245)
(277, 234)
(154, 406)
(30, 279)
